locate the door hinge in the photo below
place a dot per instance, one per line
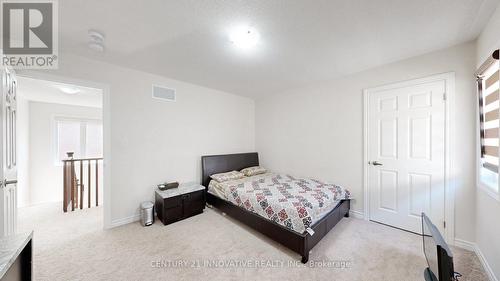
(444, 96)
(444, 224)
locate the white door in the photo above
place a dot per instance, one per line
(406, 153)
(8, 170)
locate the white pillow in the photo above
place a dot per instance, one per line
(222, 177)
(252, 171)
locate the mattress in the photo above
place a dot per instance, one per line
(295, 203)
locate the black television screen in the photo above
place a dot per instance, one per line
(438, 254)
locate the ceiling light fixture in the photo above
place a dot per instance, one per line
(244, 37)
(68, 90)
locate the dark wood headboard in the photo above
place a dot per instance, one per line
(214, 164)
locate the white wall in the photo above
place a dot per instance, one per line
(152, 140)
(23, 140)
(46, 184)
(318, 130)
(488, 208)
(489, 39)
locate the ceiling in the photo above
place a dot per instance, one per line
(47, 91)
(302, 42)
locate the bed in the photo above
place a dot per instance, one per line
(261, 202)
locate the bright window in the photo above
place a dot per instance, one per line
(81, 136)
(489, 118)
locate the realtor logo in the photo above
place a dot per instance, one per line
(29, 34)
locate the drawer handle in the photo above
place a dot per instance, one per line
(186, 196)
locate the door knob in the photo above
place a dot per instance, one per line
(7, 182)
(375, 163)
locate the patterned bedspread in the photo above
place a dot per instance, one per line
(295, 203)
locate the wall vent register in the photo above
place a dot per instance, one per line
(163, 93)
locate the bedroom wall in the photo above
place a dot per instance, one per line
(318, 130)
(488, 208)
(154, 141)
(489, 39)
(45, 176)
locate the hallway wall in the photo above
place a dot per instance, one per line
(46, 177)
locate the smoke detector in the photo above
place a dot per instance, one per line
(96, 41)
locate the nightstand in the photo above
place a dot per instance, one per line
(179, 203)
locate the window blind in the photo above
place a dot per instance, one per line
(488, 77)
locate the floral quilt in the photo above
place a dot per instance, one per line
(295, 203)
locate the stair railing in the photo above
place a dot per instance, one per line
(74, 184)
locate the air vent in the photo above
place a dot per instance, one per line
(163, 93)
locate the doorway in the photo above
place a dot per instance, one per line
(59, 123)
(406, 153)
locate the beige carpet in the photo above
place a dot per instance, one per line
(210, 246)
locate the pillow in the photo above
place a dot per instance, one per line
(222, 177)
(252, 171)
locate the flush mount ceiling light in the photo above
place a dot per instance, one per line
(244, 37)
(68, 89)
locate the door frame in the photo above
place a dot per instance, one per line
(106, 125)
(449, 207)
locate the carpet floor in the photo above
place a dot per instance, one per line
(211, 246)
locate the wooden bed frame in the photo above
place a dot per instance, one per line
(299, 243)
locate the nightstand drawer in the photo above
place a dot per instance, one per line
(197, 196)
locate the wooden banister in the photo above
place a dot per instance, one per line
(73, 181)
(88, 181)
(81, 159)
(97, 182)
(65, 189)
(74, 186)
(81, 184)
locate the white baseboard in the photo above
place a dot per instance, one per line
(123, 221)
(357, 214)
(474, 248)
(485, 264)
(465, 245)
